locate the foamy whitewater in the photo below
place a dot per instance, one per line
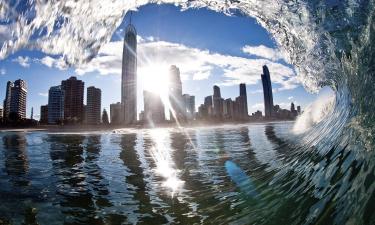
(325, 170)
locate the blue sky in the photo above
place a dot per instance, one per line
(209, 47)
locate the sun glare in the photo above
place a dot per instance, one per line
(154, 78)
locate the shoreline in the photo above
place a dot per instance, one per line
(95, 128)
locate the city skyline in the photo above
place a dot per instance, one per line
(65, 105)
(65, 102)
(109, 84)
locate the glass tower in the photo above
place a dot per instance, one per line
(129, 76)
(267, 92)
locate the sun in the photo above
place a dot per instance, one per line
(155, 78)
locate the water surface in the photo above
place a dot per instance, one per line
(197, 175)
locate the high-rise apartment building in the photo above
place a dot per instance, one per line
(189, 105)
(129, 76)
(56, 106)
(153, 108)
(292, 107)
(228, 112)
(15, 99)
(208, 101)
(73, 100)
(243, 110)
(175, 94)
(217, 103)
(115, 113)
(267, 92)
(43, 114)
(94, 105)
(299, 110)
(202, 112)
(6, 105)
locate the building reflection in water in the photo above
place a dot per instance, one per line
(159, 176)
(136, 183)
(16, 160)
(98, 184)
(74, 192)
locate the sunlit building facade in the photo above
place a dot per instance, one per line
(189, 103)
(56, 106)
(73, 99)
(175, 94)
(129, 77)
(15, 99)
(153, 108)
(93, 105)
(217, 103)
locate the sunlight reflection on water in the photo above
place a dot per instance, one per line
(161, 154)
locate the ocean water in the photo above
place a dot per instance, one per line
(220, 175)
(320, 170)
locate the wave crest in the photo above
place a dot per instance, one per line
(309, 34)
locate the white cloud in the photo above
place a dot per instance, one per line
(58, 63)
(43, 94)
(201, 75)
(284, 105)
(263, 52)
(290, 97)
(289, 84)
(256, 91)
(3, 71)
(23, 61)
(258, 106)
(194, 63)
(48, 61)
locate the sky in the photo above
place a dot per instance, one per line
(209, 48)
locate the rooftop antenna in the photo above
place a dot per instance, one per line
(131, 14)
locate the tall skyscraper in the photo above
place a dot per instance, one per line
(267, 92)
(115, 113)
(1, 114)
(217, 103)
(93, 105)
(292, 107)
(43, 114)
(189, 104)
(175, 93)
(153, 108)
(299, 110)
(228, 112)
(202, 112)
(208, 105)
(15, 99)
(243, 102)
(208, 101)
(56, 104)
(105, 119)
(129, 76)
(73, 100)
